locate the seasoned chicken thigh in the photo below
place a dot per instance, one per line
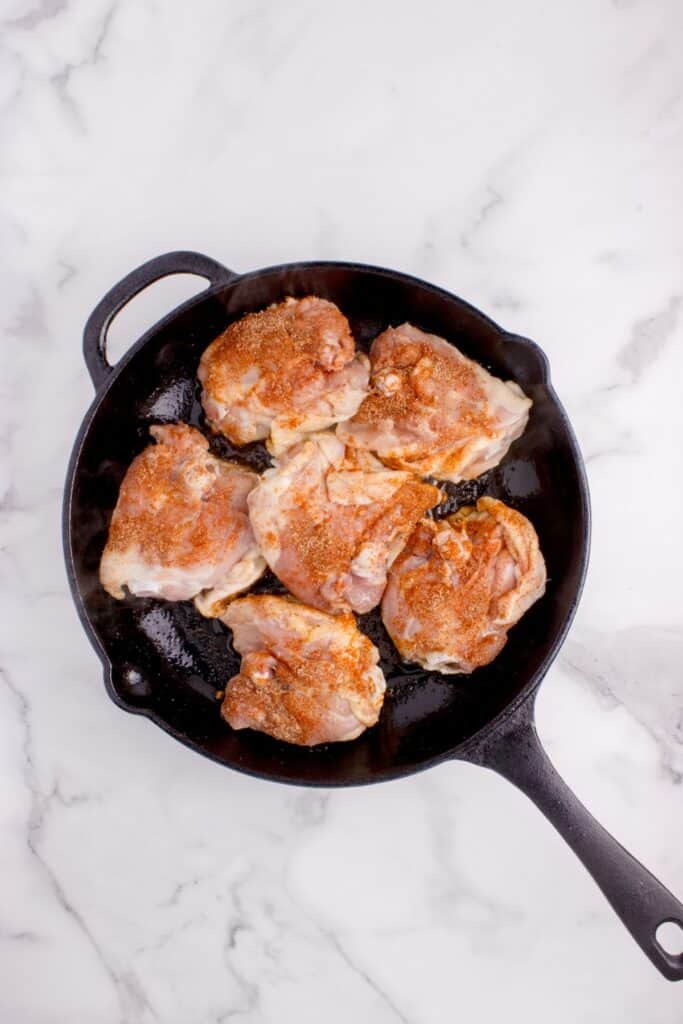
(306, 677)
(330, 526)
(180, 527)
(460, 584)
(283, 373)
(433, 411)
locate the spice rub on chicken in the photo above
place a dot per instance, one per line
(180, 528)
(306, 677)
(330, 524)
(460, 584)
(434, 411)
(282, 373)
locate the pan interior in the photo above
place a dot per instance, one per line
(168, 662)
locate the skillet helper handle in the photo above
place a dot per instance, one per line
(95, 333)
(640, 900)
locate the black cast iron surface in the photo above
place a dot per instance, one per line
(165, 661)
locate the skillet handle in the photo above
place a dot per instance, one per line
(641, 901)
(95, 333)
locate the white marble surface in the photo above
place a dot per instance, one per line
(528, 156)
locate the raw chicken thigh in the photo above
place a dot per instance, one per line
(180, 527)
(433, 411)
(306, 677)
(283, 373)
(330, 526)
(460, 584)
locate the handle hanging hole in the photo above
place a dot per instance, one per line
(669, 935)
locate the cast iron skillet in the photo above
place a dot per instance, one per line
(164, 661)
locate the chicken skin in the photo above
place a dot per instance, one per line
(330, 526)
(460, 584)
(280, 374)
(433, 411)
(180, 528)
(306, 677)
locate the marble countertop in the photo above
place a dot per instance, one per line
(526, 156)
